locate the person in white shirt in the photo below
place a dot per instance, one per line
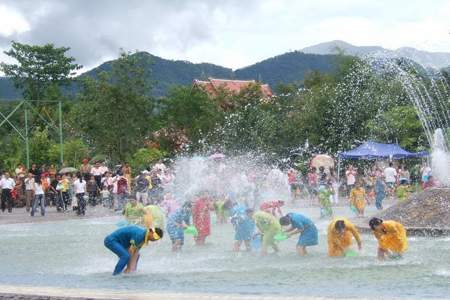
(7, 185)
(390, 177)
(39, 197)
(79, 186)
(351, 178)
(97, 171)
(29, 191)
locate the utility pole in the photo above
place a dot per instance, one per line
(61, 145)
(6, 119)
(27, 145)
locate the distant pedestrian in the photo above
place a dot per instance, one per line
(39, 197)
(380, 193)
(390, 177)
(350, 175)
(29, 191)
(92, 189)
(404, 176)
(97, 171)
(121, 191)
(7, 184)
(34, 170)
(142, 187)
(79, 186)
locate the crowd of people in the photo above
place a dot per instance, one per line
(358, 188)
(39, 187)
(150, 208)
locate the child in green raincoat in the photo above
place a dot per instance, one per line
(269, 226)
(325, 194)
(221, 211)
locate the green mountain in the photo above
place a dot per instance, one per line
(290, 67)
(8, 91)
(286, 68)
(166, 73)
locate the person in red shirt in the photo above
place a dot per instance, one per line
(201, 217)
(272, 207)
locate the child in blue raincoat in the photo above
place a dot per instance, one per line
(243, 224)
(176, 222)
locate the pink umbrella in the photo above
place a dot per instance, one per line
(217, 156)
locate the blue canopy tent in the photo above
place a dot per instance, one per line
(372, 150)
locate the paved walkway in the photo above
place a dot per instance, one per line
(20, 215)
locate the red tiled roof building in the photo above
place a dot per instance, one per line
(212, 86)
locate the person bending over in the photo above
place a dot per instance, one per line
(126, 242)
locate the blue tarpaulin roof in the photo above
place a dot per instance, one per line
(373, 150)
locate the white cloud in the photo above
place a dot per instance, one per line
(11, 22)
(232, 33)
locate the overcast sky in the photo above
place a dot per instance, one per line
(232, 33)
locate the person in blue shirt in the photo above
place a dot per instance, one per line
(126, 242)
(176, 222)
(301, 224)
(243, 224)
(380, 193)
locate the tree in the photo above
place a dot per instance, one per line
(12, 152)
(399, 124)
(40, 69)
(39, 146)
(143, 157)
(190, 110)
(114, 112)
(74, 151)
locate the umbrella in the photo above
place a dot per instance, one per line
(322, 160)
(68, 170)
(217, 156)
(98, 158)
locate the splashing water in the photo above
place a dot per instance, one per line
(242, 178)
(428, 91)
(440, 158)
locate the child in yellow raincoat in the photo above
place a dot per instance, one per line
(391, 236)
(358, 198)
(340, 233)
